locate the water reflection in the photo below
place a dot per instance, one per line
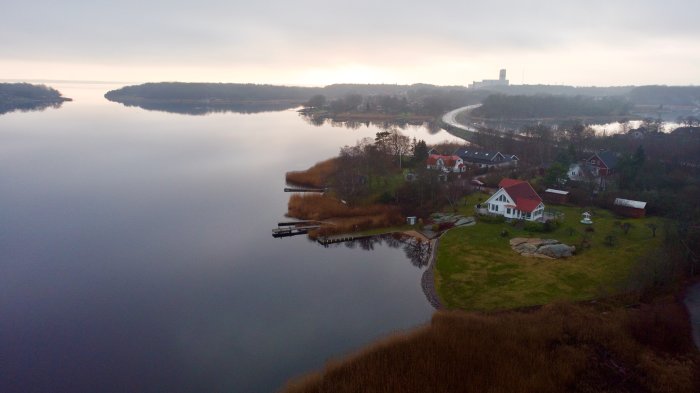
(199, 108)
(28, 106)
(416, 250)
(319, 120)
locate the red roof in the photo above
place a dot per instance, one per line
(506, 182)
(525, 197)
(448, 161)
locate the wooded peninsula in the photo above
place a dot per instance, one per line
(27, 97)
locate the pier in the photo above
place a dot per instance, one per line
(293, 231)
(325, 241)
(293, 228)
(300, 189)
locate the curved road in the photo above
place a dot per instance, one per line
(450, 118)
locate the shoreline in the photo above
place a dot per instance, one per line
(427, 281)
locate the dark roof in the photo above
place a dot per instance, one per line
(475, 155)
(608, 157)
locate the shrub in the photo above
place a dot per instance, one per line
(445, 225)
(385, 198)
(492, 219)
(546, 227)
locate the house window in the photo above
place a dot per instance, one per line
(508, 210)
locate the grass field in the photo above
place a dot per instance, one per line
(477, 269)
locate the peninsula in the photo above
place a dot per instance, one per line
(28, 97)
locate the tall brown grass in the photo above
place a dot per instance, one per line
(344, 218)
(558, 348)
(317, 176)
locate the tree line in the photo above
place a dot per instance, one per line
(548, 106)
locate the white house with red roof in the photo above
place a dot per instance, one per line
(516, 199)
(446, 163)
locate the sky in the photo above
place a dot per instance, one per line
(315, 43)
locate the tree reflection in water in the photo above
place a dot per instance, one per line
(416, 250)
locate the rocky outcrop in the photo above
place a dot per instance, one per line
(541, 248)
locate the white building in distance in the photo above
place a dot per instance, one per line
(501, 81)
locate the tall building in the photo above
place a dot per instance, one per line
(501, 81)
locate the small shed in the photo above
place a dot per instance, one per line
(411, 220)
(630, 208)
(558, 197)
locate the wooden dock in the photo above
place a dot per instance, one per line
(325, 241)
(293, 231)
(299, 189)
(292, 223)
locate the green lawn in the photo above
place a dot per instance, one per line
(477, 270)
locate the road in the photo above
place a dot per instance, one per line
(451, 118)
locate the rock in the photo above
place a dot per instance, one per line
(525, 248)
(557, 250)
(464, 221)
(541, 248)
(517, 240)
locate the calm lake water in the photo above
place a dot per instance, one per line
(136, 253)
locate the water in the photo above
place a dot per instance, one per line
(136, 253)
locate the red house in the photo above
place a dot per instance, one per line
(516, 199)
(602, 163)
(446, 163)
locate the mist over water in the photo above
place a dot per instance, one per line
(136, 253)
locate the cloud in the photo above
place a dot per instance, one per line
(295, 37)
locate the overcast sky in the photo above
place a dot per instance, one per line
(312, 42)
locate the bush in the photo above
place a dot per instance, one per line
(445, 225)
(385, 198)
(531, 226)
(492, 219)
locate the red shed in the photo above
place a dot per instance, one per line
(630, 208)
(558, 197)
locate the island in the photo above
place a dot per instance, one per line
(28, 97)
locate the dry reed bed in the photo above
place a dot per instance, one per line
(316, 177)
(345, 218)
(557, 348)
